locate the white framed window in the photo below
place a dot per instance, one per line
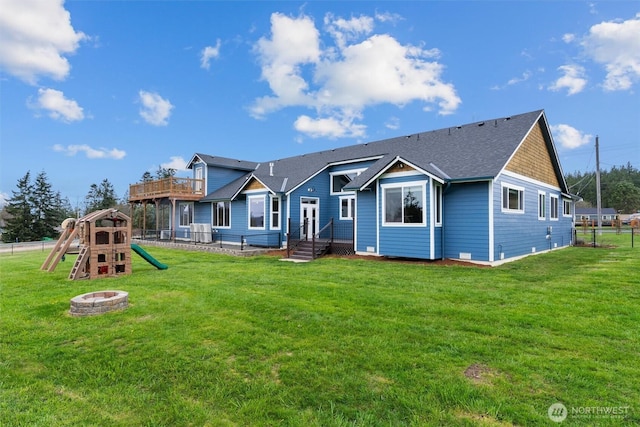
(437, 211)
(341, 178)
(403, 204)
(199, 174)
(553, 209)
(221, 214)
(347, 207)
(512, 199)
(542, 205)
(275, 212)
(186, 214)
(566, 207)
(256, 212)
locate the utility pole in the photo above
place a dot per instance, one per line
(598, 196)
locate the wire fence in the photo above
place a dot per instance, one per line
(607, 237)
(213, 237)
(43, 245)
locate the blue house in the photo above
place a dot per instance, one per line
(483, 192)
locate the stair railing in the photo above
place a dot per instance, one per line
(328, 240)
(294, 236)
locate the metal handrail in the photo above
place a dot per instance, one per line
(291, 236)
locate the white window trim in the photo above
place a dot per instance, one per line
(544, 206)
(213, 215)
(423, 187)
(511, 187)
(350, 211)
(437, 203)
(551, 210)
(271, 212)
(342, 172)
(180, 209)
(264, 219)
(566, 215)
(199, 174)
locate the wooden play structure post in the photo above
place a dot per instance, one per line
(104, 245)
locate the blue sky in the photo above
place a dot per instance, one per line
(111, 89)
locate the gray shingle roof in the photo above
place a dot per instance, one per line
(226, 162)
(477, 150)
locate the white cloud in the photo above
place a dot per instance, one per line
(345, 30)
(525, 76)
(4, 199)
(35, 36)
(568, 38)
(59, 107)
(570, 137)
(175, 162)
(331, 127)
(573, 79)
(90, 153)
(393, 123)
(208, 53)
(616, 45)
(340, 81)
(393, 18)
(155, 109)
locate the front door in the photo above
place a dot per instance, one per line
(309, 216)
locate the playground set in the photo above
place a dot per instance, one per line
(103, 246)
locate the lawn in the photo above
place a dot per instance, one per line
(226, 341)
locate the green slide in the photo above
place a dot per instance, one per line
(151, 260)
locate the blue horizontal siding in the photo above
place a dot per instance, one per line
(521, 234)
(366, 222)
(218, 177)
(466, 220)
(437, 240)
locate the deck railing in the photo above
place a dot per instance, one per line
(167, 187)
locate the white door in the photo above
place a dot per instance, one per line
(309, 214)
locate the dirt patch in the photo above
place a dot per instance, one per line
(480, 374)
(412, 261)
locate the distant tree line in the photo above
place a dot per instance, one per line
(619, 188)
(35, 210)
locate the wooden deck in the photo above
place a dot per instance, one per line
(172, 188)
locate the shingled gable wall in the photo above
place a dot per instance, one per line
(533, 160)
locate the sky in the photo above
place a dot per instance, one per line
(94, 90)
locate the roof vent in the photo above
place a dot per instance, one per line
(481, 124)
(507, 118)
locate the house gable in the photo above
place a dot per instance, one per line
(400, 166)
(254, 184)
(532, 159)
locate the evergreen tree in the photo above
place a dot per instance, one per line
(101, 196)
(619, 188)
(20, 217)
(45, 207)
(162, 173)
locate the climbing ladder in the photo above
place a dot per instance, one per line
(81, 263)
(60, 249)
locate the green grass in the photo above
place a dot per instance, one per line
(224, 341)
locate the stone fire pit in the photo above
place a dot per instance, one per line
(98, 303)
